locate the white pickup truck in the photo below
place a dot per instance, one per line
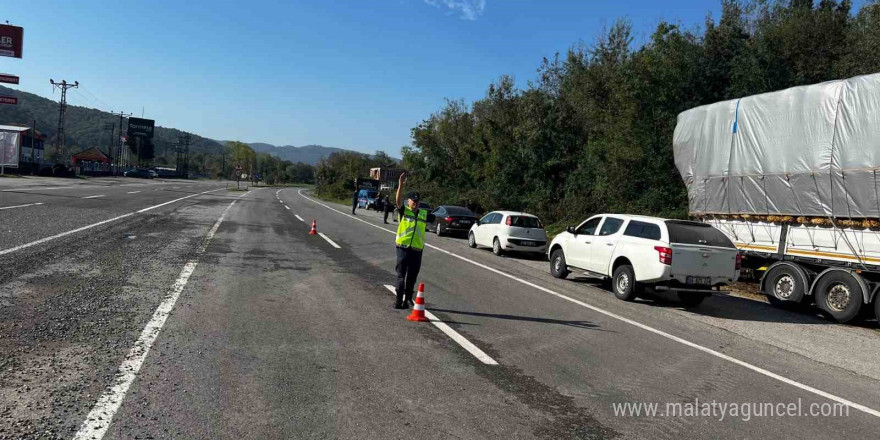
(688, 258)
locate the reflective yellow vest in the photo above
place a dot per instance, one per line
(411, 229)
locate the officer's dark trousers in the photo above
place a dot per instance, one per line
(354, 205)
(409, 261)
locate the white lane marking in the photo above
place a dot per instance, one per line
(299, 218)
(20, 206)
(98, 421)
(276, 193)
(456, 336)
(52, 187)
(94, 197)
(287, 207)
(696, 346)
(176, 200)
(132, 192)
(332, 243)
(74, 231)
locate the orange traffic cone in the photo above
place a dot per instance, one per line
(418, 311)
(314, 230)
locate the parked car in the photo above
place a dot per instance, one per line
(367, 197)
(505, 231)
(688, 258)
(139, 172)
(452, 219)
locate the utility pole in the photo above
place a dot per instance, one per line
(63, 85)
(108, 127)
(185, 140)
(34, 167)
(119, 147)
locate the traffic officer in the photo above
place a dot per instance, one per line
(410, 242)
(354, 200)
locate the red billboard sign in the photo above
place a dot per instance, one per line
(11, 40)
(8, 100)
(8, 79)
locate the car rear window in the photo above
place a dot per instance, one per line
(642, 230)
(696, 233)
(525, 222)
(457, 210)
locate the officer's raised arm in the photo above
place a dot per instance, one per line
(400, 182)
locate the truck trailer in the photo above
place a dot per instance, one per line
(792, 178)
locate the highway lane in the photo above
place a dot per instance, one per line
(280, 334)
(65, 208)
(70, 310)
(600, 361)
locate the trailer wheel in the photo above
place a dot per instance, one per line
(839, 295)
(784, 286)
(877, 308)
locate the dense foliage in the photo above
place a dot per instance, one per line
(336, 174)
(594, 132)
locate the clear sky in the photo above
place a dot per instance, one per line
(343, 73)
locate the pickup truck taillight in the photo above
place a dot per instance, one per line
(739, 261)
(665, 254)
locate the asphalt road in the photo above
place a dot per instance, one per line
(275, 333)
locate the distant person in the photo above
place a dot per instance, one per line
(387, 207)
(354, 202)
(410, 242)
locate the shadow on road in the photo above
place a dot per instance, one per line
(578, 324)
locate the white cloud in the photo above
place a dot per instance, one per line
(469, 9)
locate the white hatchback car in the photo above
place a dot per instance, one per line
(509, 231)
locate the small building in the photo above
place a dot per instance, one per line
(388, 176)
(91, 162)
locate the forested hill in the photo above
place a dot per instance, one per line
(84, 126)
(85, 129)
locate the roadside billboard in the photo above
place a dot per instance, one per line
(8, 100)
(10, 142)
(8, 79)
(141, 127)
(11, 38)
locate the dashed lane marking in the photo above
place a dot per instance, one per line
(647, 328)
(299, 218)
(94, 197)
(132, 192)
(332, 243)
(20, 206)
(98, 421)
(456, 336)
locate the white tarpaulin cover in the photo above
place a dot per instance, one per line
(810, 150)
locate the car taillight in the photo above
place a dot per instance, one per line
(739, 261)
(448, 219)
(508, 221)
(665, 254)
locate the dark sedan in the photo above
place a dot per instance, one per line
(452, 220)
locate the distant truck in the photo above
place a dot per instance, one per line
(368, 193)
(791, 178)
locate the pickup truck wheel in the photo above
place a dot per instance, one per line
(557, 264)
(623, 283)
(688, 299)
(839, 295)
(472, 241)
(784, 287)
(496, 247)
